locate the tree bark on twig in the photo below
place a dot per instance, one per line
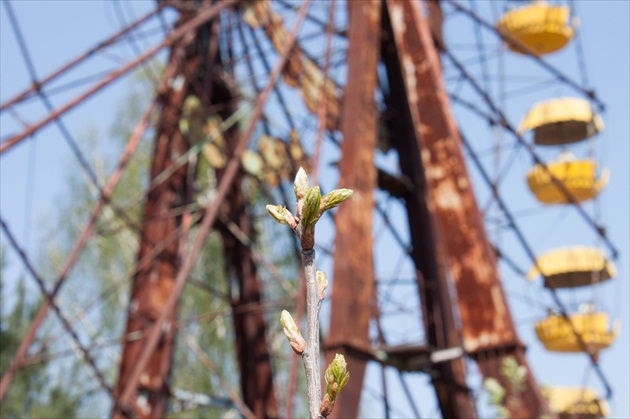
(311, 354)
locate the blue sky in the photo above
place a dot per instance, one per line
(32, 176)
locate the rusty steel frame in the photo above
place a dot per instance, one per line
(428, 251)
(212, 210)
(254, 360)
(288, 413)
(252, 351)
(169, 191)
(488, 335)
(111, 184)
(203, 16)
(153, 282)
(353, 272)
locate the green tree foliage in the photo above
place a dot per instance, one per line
(34, 393)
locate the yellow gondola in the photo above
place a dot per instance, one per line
(578, 177)
(561, 121)
(567, 402)
(556, 333)
(542, 27)
(571, 267)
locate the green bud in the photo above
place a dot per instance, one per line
(278, 213)
(336, 376)
(300, 186)
(291, 331)
(336, 197)
(310, 212)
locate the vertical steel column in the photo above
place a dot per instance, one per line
(488, 331)
(427, 252)
(249, 326)
(252, 352)
(153, 282)
(353, 282)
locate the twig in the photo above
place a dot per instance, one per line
(310, 206)
(311, 354)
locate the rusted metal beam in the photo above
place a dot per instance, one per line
(436, 17)
(449, 191)
(153, 283)
(252, 352)
(407, 357)
(427, 248)
(353, 282)
(157, 279)
(486, 321)
(155, 331)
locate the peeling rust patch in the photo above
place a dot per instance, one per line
(447, 196)
(410, 71)
(434, 173)
(472, 264)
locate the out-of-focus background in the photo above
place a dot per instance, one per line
(50, 180)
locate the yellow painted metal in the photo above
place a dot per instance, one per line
(561, 121)
(578, 177)
(571, 267)
(542, 27)
(556, 334)
(573, 402)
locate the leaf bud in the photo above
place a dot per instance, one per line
(310, 212)
(336, 376)
(278, 213)
(291, 331)
(300, 186)
(336, 197)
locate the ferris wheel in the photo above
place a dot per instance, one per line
(471, 135)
